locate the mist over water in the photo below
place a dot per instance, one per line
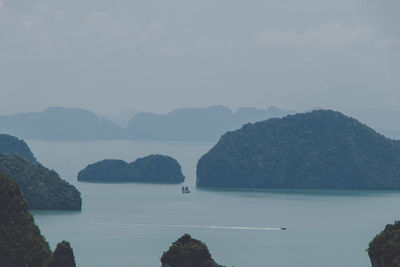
(131, 224)
(176, 75)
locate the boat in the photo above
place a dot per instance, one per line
(283, 228)
(185, 190)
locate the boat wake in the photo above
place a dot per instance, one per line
(184, 226)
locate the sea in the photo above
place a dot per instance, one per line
(132, 224)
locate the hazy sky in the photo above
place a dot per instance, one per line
(109, 56)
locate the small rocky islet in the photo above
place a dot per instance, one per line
(149, 169)
(187, 251)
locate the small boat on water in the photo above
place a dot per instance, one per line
(185, 190)
(283, 228)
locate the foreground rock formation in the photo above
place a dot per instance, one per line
(63, 256)
(322, 149)
(187, 251)
(384, 249)
(21, 243)
(152, 169)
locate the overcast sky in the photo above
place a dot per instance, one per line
(110, 56)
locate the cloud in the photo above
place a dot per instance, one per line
(325, 36)
(390, 42)
(27, 22)
(97, 17)
(60, 14)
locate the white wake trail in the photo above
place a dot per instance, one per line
(183, 226)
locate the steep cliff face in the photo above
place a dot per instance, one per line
(21, 243)
(42, 188)
(384, 249)
(322, 149)
(187, 251)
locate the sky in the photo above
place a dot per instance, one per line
(111, 56)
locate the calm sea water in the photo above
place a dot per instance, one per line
(132, 224)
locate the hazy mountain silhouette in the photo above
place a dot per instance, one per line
(59, 123)
(195, 124)
(185, 124)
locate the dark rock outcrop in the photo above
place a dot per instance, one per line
(42, 188)
(321, 149)
(187, 251)
(63, 256)
(151, 169)
(21, 243)
(384, 249)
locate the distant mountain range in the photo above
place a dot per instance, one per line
(58, 123)
(185, 124)
(195, 124)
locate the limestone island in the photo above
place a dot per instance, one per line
(149, 169)
(42, 188)
(11, 145)
(322, 149)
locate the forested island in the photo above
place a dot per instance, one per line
(42, 188)
(187, 251)
(21, 243)
(11, 145)
(322, 149)
(151, 169)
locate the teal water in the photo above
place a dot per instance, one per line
(132, 224)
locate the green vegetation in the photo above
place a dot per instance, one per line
(322, 149)
(11, 145)
(21, 243)
(42, 188)
(152, 168)
(384, 249)
(187, 251)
